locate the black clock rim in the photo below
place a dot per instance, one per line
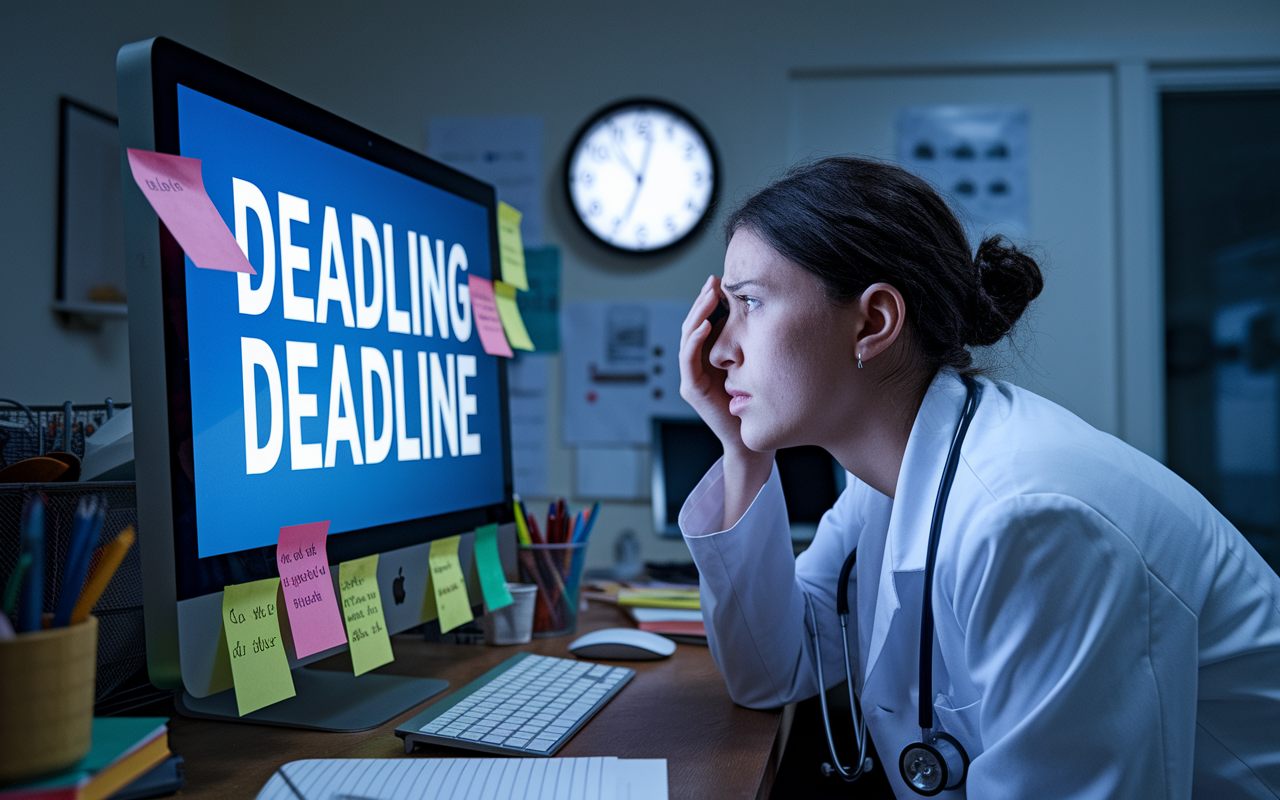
(711, 151)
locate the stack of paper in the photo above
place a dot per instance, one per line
(473, 778)
(124, 748)
(660, 598)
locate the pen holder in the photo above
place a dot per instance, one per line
(46, 691)
(556, 569)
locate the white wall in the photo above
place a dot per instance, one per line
(389, 65)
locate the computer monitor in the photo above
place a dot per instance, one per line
(345, 381)
(684, 449)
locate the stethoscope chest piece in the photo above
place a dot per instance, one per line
(929, 768)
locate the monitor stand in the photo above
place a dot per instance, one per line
(326, 700)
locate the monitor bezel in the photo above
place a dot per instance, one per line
(173, 65)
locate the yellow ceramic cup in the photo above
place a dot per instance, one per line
(46, 699)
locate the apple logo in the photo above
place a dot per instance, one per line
(397, 587)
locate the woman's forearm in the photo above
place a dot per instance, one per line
(745, 472)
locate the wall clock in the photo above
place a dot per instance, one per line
(641, 176)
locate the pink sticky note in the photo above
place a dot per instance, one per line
(308, 588)
(485, 312)
(175, 189)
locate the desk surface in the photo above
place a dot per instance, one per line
(677, 709)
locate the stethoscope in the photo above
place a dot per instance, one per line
(937, 761)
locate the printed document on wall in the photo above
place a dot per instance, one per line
(621, 369)
(977, 156)
(503, 151)
(528, 375)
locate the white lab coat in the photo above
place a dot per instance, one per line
(1101, 630)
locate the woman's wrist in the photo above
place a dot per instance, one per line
(745, 473)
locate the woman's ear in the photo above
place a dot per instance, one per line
(883, 313)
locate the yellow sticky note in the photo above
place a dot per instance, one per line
(504, 296)
(362, 610)
(511, 247)
(259, 665)
(448, 585)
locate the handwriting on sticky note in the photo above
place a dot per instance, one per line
(308, 588)
(362, 609)
(504, 296)
(175, 189)
(489, 567)
(488, 323)
(259, 665)
(448, 584)
(511, 247)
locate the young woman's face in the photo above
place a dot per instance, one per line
(788, 351)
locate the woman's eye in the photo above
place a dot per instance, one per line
(750, 302)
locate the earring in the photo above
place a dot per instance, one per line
(859, 360)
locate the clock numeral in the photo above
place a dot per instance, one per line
(595, 208)
(588, 179)
(671, 131)
(689, 150)
(642, 235)
(617, 223)
(697, 178)
(642, 127)
(671, 224)
(689, 204)
(600, 152)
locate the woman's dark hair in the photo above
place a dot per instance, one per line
(853, 222)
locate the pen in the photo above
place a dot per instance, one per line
(112, 555)
(551, 523)
(521, 531)
(534, 531)
(32, 602)
(15, 583)
(84, 533)
(591, 520)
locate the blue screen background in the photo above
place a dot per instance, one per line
(236, 511)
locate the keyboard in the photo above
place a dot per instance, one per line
(528, 705)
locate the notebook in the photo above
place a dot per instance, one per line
(601, 778)
(124, 748)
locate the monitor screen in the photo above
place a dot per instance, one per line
(683, 451)
(320, 390)
(344, 381)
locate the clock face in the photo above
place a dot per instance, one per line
(641, 176)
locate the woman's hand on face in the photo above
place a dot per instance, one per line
(701, 384)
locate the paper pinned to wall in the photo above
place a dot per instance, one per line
(505, 151)
(362, 609)
(978, 157)
(611, 473)
(307, 585)
(540, 306)
(528, 378)
(259, 665)
(504, 295)
(488, 322)
(175, 189)
(621, 370)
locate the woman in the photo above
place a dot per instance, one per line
(1098, 629)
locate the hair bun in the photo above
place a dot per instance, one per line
(1009, 280)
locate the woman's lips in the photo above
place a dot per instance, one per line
(738, 401)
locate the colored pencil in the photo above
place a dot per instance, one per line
(112, 556)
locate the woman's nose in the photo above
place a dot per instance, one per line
(725, 352)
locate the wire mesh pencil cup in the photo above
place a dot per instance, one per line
(557, 570)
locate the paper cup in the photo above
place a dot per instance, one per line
(512, 624)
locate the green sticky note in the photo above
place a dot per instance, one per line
(362, 610)
(489, 567)
(448, 584)
(504, 296)
(511, 246)
(259, 665)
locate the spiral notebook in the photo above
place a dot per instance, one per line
(602, 778)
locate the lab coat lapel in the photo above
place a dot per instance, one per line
(907, 544)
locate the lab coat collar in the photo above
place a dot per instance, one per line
(907, 543)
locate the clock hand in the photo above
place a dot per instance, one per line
(620, 153)
(644, 166)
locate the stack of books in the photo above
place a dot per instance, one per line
(673, 611)
(124, 749)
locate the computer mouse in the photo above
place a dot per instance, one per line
(622, 644)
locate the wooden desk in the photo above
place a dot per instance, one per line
(677, 708)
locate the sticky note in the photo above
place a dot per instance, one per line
(308, 588)
(448, 585)
(489, 567)
(504, 296)
(485, 313)
(175, 189)
(259, 665)
(511, 247)
(362, 609)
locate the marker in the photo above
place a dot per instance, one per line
(112, 555)
(31, 605)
